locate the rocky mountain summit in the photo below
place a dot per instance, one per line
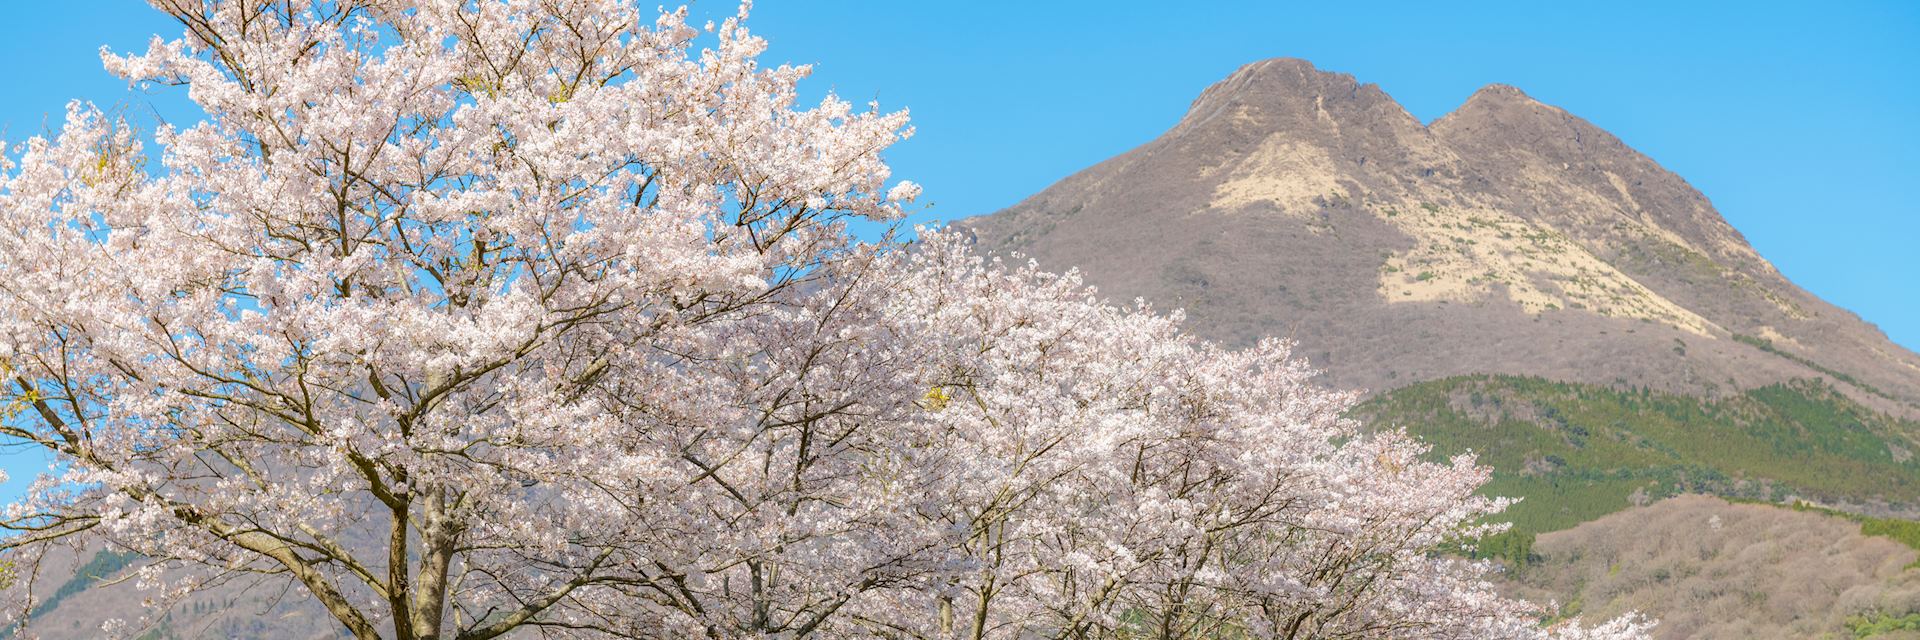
(1508, 237)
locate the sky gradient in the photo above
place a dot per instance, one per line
(1801, 121)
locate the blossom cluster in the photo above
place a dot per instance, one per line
(476, 318)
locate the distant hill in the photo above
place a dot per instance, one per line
(1720, 571)
(1511, 280)
(77, 592)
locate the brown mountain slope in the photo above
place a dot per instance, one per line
(1507, 237)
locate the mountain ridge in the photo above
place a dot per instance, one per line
(1516, 208)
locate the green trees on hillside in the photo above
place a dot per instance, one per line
(1576, 452)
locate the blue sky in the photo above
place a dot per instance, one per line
(1801, 121)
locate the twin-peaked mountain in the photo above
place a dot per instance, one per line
(1507, 237)
(1514, 281)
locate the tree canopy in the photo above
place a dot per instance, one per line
(476, 318)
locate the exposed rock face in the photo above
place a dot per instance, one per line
(1507, 237)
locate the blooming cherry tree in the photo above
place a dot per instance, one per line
(471, 318)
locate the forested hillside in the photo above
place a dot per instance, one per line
(1577, 452)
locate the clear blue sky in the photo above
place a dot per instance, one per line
(1800, 120)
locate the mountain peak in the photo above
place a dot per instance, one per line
(1553, 160)
(1283, 64)
(1503, 106)
(1276, 91)
(1498, 92)
(1277, 72)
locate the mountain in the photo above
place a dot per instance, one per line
(1512, 280)
(1507, 237)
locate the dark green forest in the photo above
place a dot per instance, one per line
(1576, 452)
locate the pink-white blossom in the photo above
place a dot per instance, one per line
(474, 318)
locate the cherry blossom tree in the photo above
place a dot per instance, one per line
(470, 318)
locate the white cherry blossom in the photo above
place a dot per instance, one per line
(471, 318)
